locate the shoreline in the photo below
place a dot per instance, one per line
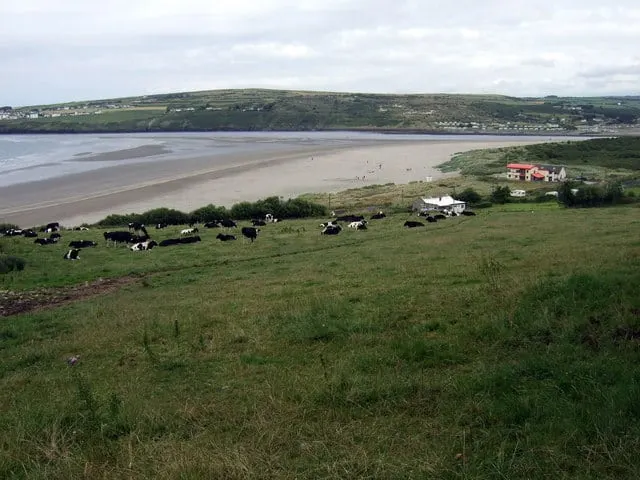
(91, 196)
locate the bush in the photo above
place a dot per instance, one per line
(292, 208)
(469, 195)
(501, 195)
(8, 226)
(590, 195)
(9, 263)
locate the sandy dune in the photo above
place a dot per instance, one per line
(187, 185)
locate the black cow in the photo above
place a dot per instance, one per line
(331, 230)
(51, 227)
(258, 223)
(250, 232)
(378, 216)
(45, 241)
(55, 235)
(212, 225)
(119, 237)
(440, 217)
(350, 218)
(160, 226)
(178, 241)
(228, 223)
(72, 254)
(432, 219)
(29, 233)
(82, 244)
(225, 238)
(411, 224)
(468, 213)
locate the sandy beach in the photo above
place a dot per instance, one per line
(189, 184)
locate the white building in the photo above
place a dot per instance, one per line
(446, 204)
(518, 193)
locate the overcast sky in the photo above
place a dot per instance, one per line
(64, 50)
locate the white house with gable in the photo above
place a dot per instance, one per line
(446, 204)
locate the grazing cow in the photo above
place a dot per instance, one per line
(73, 254)
(349, 218)
(330, 223)
(188, 231)
(469, 213)
(228, 223)
(378, 216)
(148, 245)
(258, 223)
(361, 225)
(331, 230)
(212, 225)
(250, 232)
(136, 226)
(160, 226)
(178, 241)
(50, 227)
(119, 237)
(411, 224)
(45, 241)
(225, 238)
(82, 244)
(431, 219)
(29, 233)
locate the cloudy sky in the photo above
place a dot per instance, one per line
(64, 50)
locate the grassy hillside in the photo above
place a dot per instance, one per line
(498, 346)
(256, 109)
(598, 158)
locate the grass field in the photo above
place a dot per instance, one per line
(498, 346)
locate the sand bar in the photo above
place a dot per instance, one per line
(192, 183)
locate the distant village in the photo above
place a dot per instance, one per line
(8, 113)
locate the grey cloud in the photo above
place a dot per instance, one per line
(56, 51)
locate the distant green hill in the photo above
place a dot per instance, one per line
(269, 110)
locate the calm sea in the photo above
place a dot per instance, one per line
(26, 158)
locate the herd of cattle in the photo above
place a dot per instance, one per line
(138, 239)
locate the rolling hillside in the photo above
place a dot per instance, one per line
(264, 110)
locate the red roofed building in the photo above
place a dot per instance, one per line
(521, 171)
(527, 172)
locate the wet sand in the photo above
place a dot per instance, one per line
(227, 179)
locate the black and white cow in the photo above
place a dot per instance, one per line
(189, 231)
(73, 254)
(51, 227)
(270, 219)
(119, 237)
(160, 226)
(440, 216)
(55, 235)
(148, 245)
(212, 225)
(349, 218)
(378, 216)
(29, 234)
(411, 224)
(250, 232)
(82, 243)
(431, 219)
(330, 223)
(224, 237)
(256, 222)
(331, 230)
(361, 225)
(46, 241)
